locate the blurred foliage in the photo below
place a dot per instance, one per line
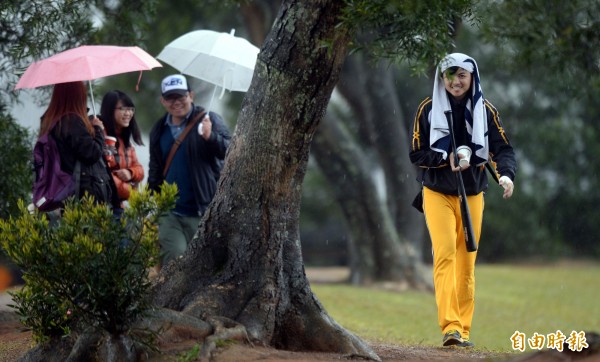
(33, 29)
(15, 164)
(555, 40)
(413, 31)
(36, 29)
(536, 70)
(86, 268)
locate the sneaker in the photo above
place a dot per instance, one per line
(451, 338)
(466, 343)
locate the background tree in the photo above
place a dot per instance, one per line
(32, 30)
(549, 71)
(15, 164)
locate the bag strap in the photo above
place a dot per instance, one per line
(180, 139)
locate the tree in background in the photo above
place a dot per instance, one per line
(547, 62)
(34, 29)
(15, 164)
(15, 183)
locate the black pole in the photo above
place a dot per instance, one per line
(492, 172)
(462, 195)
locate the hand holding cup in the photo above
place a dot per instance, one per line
(110, 151)
(464, 156)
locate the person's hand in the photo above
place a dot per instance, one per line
(508, 186)
(205, 127)
(453, 166)
(123, 174)
(97, 122)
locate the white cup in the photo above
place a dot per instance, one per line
(466, 152)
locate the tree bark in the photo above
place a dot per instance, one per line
(245, 262)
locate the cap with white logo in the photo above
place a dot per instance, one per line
(174, 84)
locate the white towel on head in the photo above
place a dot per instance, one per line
(475, 114)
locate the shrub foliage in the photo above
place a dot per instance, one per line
(86, 269)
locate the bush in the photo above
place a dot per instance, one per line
(86, 269)
(15, 164)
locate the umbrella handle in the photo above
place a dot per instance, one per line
(211, 99)
(92, 95)
(228, 72)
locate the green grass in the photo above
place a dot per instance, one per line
(508, 298)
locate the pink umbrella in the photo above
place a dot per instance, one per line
(87, 62)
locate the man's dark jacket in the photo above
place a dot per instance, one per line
(205, 157)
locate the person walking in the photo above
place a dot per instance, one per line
(193, 163)
(117, 113)
(477, 125)
(79, 139)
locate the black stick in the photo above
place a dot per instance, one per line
(492, 172)
(462, 195)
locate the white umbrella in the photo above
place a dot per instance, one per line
(222, 59)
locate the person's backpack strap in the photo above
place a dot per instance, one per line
(180, 139)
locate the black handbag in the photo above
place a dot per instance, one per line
(418, 201)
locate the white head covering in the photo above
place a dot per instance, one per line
(475, 114)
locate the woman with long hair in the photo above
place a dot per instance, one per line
(117, 112)
(78, 139)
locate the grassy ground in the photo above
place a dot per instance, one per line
(529, 299)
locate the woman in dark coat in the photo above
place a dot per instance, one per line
(78, 139)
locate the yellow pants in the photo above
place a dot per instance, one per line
(453, 266)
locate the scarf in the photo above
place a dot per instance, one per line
(475, 114)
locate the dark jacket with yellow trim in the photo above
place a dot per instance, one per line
(435, 172)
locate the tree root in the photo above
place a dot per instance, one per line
(225, 329)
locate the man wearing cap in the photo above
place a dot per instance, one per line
(194, 165)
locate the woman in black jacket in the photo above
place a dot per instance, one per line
(78, 139)
(477, 125)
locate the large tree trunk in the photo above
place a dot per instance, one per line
(379, 250)
(245, 263)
